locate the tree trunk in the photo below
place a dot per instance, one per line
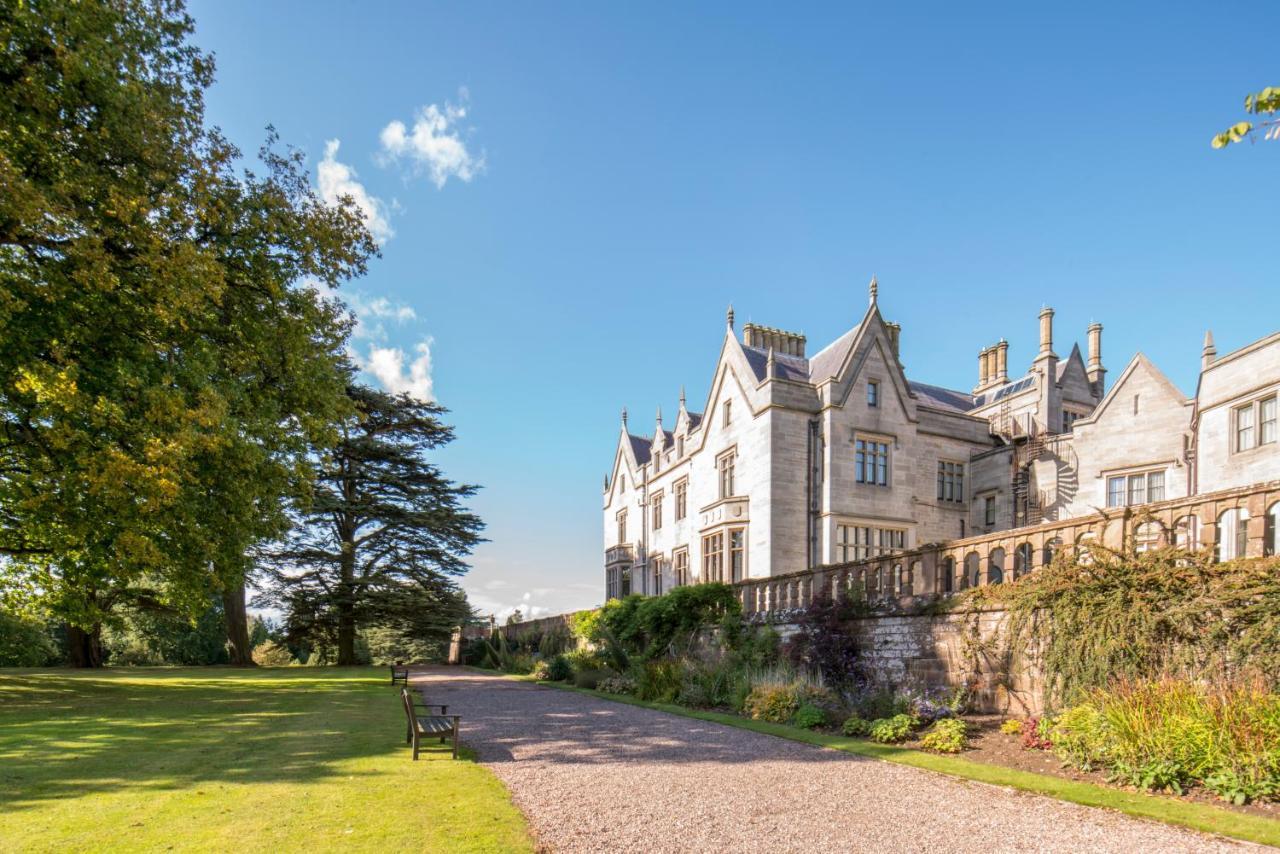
(237, 622)
(346, 634)
(85, 645)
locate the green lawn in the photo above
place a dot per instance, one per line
(218, 759)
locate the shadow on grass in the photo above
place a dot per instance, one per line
(69, 733)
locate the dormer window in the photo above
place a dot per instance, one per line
(873, 394)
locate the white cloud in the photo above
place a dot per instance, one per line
(505, 608)
(434, 144)
(389, 368)
(371, 312)
(337, 180)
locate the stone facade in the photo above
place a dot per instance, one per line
(801, 461)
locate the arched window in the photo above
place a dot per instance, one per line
(1148, 536)
(972, 570)
(1231, 538)
(947, 575)
(1051, 548)
(995, 566)
(1271, 541)
(909, 586)
(1186, 533)
(1021, 561)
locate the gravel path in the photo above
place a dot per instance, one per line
(594, 775)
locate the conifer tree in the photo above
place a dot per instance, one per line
(384, 535)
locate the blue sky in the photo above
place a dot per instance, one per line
(580, 190)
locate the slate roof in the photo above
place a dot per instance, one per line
(828, 360)
(787, 367)
(941, 398)
(640, 447)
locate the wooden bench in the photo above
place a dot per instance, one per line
(444, 726)
(399, 673)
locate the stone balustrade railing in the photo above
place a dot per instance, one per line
(944, 568)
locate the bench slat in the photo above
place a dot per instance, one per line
(435, 724)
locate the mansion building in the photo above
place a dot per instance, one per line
(801, 460)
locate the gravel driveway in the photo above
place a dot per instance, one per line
(594, 775)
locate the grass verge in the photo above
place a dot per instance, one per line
(211, 759)
(1202, 817)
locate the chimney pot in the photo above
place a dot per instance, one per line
(1046, 332)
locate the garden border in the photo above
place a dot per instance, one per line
(1204, 818)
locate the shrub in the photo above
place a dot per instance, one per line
(855, 725)
(1035, 734)
(659, 681)
(555, 642)
(1080, 737)
(773, 703)
(947, 736)
(1013, 726)
(712, 684)
(826, 639)
(584, 659)
(809, 716)
(881, 703)
(558, 669)
(892, 730)
(617, 685)
(657, 626)
(590, 678)
(271, 654)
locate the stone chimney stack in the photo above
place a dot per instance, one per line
(766, 337)
(895, 333)
(1049, 407)
(1094, 370)
(1046, 333)
(1002, 362)
(984, 373)
(1210, 353)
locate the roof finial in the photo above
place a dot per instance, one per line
(624, 416)
(659, 415)
(682, 396)
(729, 315)
(874, 287)
(1209, 353)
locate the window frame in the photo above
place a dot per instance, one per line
(680, 566)
(951, 481)
(1126, 482)
(621, 518)
(989, 511)
(872, 455)
(726, 464)
(873, 394)
(681, 492)
(713, 557)
(655, 503)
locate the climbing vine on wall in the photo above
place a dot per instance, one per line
(1125, 615)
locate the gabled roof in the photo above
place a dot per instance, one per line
(640, 446)
(1138, 360)
(941, 398)
(786, 367)
(825, 363)
(1066, 363)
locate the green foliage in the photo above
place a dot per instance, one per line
(656, 626)
(892, 730)
(554, 669)
(776, 704)
(856, 725)
(165, 366)
(385, 644)
(272, 654)
(1141, 616)
(948, 735)
(590, 677)
(583, 625)
(1266, 102)
(659, 681)
(1012, 726)
(162, 637)
(25, 642)
(775, 694)
(384, 534)
(617, 685)
(881, 703)
(555, 642)
(809, 716)
(826, 640)
(1170, 733)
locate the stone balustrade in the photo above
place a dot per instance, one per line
(945, 568)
